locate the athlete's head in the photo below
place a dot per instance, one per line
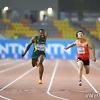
(42, 33)
(79, 34)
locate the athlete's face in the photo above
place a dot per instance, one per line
(42, 34)
(80, 35)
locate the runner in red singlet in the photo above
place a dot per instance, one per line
(83, 54)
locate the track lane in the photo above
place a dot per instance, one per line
(64, 85)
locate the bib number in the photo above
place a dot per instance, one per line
(40, 47)
(80, 50)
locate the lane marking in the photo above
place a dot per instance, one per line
(51, 81)
(17, 79)
(14, 82)
(13, 67)
(95, 67)
(4, 97)
(84, 78)
(8, 63)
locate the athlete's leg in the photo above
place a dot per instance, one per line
(80, 65)
(41, 67)
(86, 66)
(34, 62)
(87, 69)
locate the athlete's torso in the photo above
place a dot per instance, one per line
(82, 49)
(39, 44)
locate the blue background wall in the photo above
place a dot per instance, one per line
(54, 49)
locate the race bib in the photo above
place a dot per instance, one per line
(40, 47)
(80, 50)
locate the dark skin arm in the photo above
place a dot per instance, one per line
(30, 43)
(28, 46)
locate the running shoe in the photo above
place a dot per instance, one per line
(80, 83)
(40, 82)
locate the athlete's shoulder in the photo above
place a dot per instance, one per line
(33, 39)
(76, 41)
(36, 36)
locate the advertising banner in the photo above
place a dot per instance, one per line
(11, 48)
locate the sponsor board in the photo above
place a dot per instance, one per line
(54, 49)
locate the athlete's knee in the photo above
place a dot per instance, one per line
(80, 65)
(39, 63)
(80, 70)
(33, 63)
(40, 59)
(87, 71)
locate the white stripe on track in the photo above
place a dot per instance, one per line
(4, 97)
(93, 66)
(8, 63)
(13, 67)
(14, 82)
(84, 78)
(17, 79)
(51, 81)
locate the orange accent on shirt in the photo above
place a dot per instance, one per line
(82, 49)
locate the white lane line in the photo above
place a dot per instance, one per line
(13, 67)
(14, 82)
(51, 81)
(93, 66)
(4, 97)
(17, 79)
(84, 78)
(8, 63)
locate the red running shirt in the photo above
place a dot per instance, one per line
(82, 49)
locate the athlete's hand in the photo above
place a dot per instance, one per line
(23, 55)
(94, 59)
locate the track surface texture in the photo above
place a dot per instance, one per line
(19, 81)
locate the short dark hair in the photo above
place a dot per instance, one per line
(41, 29)
(78, 32)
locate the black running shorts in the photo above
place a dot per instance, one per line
(85, 62)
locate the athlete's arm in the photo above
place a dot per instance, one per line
(93, 51)
(28, 46)
(73, 44)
